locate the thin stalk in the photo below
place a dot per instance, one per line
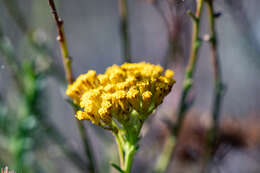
(120, 149)
(63, 43)
(129, 156)
(53, 134)
(124, 29)
(188, 80)
(218, 85)
(165, 157)
(87, 147)
(218, 90)
(164, 160)
(126, 150)
(69, 77)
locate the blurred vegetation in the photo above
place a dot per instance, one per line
(25, 124)
(29, 61)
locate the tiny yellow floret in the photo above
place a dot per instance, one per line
(120, 91)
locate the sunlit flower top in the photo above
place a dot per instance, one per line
(122, 94)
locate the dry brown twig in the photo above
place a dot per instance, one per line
(69, 77)
(63, 43)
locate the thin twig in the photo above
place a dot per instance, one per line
(69, 76)
(53, 134)
(188, 80)
(124, 29)
(187, 85)
(19, 19)
(218, 90)
(87, 148)
(63, 43)
(218, 85)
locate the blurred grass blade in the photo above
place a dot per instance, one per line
(117, 167)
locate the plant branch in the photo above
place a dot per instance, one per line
(120, 150)
(218, 84)
(124, 29)
(87, 148)
(69, 76)
(126, 151)
(188, 80)
(187, 85)
(129, 156)
(5, 48)
(165, 157)
(218, 90)
(63, 43)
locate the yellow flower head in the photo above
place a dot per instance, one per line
(121, 92)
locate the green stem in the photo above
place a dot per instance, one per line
(164, 158)
(126, 149)
(120, 150)
(188, 80)
(187, 85)
(124, 29)
(86, 144)
(129, 156)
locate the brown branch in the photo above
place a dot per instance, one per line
(63, 44)
(218, 85)
(218, 91)
(69, 76)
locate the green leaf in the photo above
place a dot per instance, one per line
(117, 167)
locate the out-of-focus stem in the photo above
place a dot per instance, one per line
(218, 85)
(218, 90)
(53, 133)
(188, 79)
(161, 166)
(16, 14)
(69, 76)
(87, 148)
(165, 157)
(124, 29)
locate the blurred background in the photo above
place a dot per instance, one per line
(38, 131)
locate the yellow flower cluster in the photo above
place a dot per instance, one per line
(120, 91)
